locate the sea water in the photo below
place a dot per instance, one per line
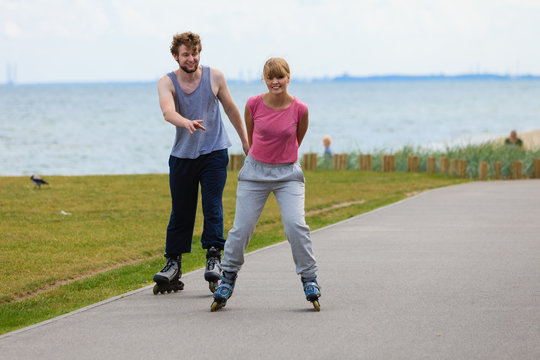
(76, 129)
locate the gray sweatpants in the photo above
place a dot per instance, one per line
(256, 180)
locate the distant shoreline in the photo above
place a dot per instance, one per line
(345, 78)
(472, 77)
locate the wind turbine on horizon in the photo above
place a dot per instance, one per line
(11, 74)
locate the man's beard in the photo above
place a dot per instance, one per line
(189, 71)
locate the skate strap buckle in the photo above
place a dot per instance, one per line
(311, 288)
(224, 289)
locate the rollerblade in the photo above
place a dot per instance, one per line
(168, 279)
(224, 290)
(212, 273)
(312, 291)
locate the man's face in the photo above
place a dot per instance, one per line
(188, 58)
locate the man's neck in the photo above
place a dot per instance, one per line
(189, 77)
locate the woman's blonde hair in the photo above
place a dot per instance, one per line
(275, 67)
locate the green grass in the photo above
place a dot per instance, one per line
(113, 240)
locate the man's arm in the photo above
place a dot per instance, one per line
(166, 102)
(230, 108)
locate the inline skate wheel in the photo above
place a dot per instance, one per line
(155, 289)
(216, 306)
(316, 305)
(213, 286)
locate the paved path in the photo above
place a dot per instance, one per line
(452, 273)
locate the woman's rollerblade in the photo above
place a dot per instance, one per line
(312, 291)
(168, 279)
(224, 290)
(212, 271)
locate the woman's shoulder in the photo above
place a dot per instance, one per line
(299, 103)
(300, 106)
(255, 99)
(254, 102)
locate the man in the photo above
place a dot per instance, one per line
(189, 98)
(513, 139)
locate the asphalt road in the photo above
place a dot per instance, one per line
(452, 273)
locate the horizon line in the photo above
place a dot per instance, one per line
(345, 77)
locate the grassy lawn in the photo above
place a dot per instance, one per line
(84, 239)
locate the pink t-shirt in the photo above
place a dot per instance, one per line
(274, 131)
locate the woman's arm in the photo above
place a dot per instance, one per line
(302, 128)
(249, 126)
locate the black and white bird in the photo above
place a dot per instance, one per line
(38, 181)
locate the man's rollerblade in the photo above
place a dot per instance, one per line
(224, 290)
(212, 271)
(312, 291)
(168, 279)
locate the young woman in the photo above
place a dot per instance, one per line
(276, 124)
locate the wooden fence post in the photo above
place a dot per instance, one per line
(462, 168)
(364, 162)
(235, 162)
(452, 171)
(310, 161)
(412, 164)
(498, 166)
(306, 162)
(536, 168)
(517, 169)
(344, 161)
(483, 170)
(388, 163)
(443, 165)
(340, 161)
(430, 165)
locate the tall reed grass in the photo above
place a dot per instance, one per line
(474, 154)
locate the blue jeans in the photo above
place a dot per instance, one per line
(210, 171)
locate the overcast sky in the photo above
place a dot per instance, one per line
(128, 40)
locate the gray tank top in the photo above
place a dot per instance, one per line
(201, 104)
